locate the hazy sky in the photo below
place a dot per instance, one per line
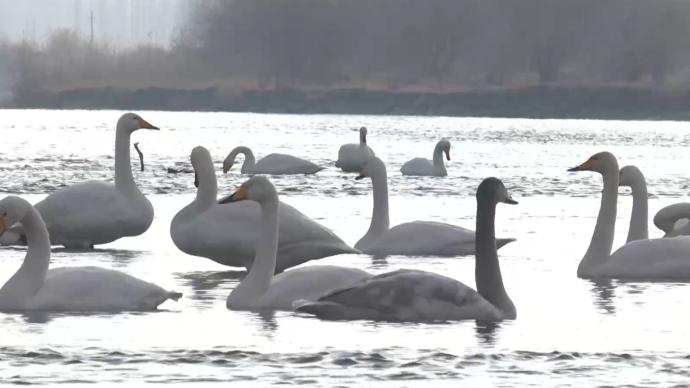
(117, 22)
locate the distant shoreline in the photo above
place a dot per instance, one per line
(615, 103)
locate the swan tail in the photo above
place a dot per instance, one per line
(503, 241)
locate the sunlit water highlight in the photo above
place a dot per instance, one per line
(569, 332)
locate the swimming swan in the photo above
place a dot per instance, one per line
(632, 177)
(95, 212)
(228, 234)
(260, 290)
(425, 167)
(674, 219)
(272, 164)
(417, 238)
(353, 156)
(418, 296)
(643, 260)
(67, 289)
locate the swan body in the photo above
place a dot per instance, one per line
(673, 219)
(272, 164)
(420, 296)
(418, 238)
(260, 289)
(70, 289)
(227, 234)
(426, 167)
(632, 177)
(354, 156)
(642, 260)
(94, 212)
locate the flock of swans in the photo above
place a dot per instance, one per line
(252, 228)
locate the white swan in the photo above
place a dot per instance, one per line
(260, 290)
(272, 164)
(425, 167)
(632, 177)
(228, 234)
(353, 156)
(417, 238)
(67, 289)
(95, 212)
(412, 295)
(643, 260)
(674, 219)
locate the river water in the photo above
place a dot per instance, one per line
(569, 331)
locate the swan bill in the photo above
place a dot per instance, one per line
(360, 177)
(146, 125)
(447, 154)
(510, 201)
(3, 228)
(226, 166)
(239, 195)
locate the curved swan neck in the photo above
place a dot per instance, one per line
(439, 166)
(29, 278)
(249, 160)
(258, 280)
(487, 272)
(208, 185)
(380, 221)
(639, 223)
(602, 238)
(124, 181)
(362, 137)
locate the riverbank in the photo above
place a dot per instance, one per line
(528, 102)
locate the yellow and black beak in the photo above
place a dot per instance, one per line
(239, 195)
(586, 166)
(447, 154)
(146, 125)
(360, 176)
(226, 166)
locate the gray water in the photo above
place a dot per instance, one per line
(569, 331)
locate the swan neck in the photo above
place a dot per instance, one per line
(249, 160)
(602, 239)
(380, 221)
(124, 181)
(439, 166)
(28, 280)
(208, 185)
(258, 280)
(362, 138)
(639, 223)
(487, 271)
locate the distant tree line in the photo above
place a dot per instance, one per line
(431, 45)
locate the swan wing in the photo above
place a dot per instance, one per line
(404, 295)
(228, 234)
(94, 212)
(651, 260)
(424, 238)
(308, 283)
(93, 289)
(418, 167)
(352, 157)
(277, 164)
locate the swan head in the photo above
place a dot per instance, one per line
(12, 210)
(601, 162)
(444, 144)
(493, 190)
(257, 188)
(373, 165)
(629, 176)
(200, 158)
(132, 122)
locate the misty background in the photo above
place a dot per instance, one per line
(439, 46)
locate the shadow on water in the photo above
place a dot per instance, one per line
(120, 257)
(207, 284)
(604, 292)
(486, 332)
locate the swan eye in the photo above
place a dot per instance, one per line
(4, 214)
